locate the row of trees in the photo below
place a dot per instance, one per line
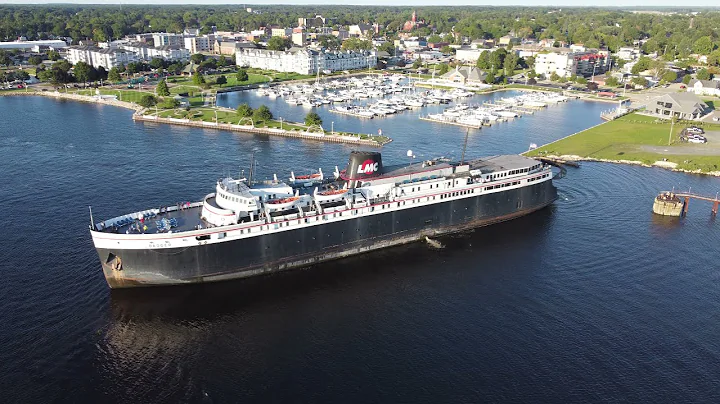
(263, 114)
(671, 35)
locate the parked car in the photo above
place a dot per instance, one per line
(682, 86)
(697, 139)
(716, 119)
(695, 129)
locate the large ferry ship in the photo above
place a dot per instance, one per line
(246, 228)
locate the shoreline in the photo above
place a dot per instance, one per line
(139, 117)
(657, 164)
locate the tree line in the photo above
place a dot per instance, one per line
(671, 35)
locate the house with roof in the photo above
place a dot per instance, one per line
(704, 87)
(465, 75)
(678, 105)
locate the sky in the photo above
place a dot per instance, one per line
(578, 3)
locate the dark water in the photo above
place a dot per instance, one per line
(594, 299)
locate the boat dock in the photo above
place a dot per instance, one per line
(670, 203)
(350, 113)
(464, 125)
(516, 109)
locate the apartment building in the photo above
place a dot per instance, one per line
(99, 57)
(566, 63)
(303, 60)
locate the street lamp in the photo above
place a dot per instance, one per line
(332, 128)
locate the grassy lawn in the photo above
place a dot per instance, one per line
(230, 117)
(623, 138)
(123, 95)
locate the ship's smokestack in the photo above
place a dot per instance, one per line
(362, 165)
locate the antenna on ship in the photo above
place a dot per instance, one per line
(462, 159)
(92, 222)
(252, 164)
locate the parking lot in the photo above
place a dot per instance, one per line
(711, 148)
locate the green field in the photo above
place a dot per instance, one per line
(123, 95)
(624, 138)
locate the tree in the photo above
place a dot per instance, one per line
(244, 110)
(714, 58)
(581, 80)
(35, 60)
(221, 80)
(686, 79)
(592, 86)
(197, 58)
(82, 72)
(641, 65)
(639, 81)
(417, 63)
(242, 75)
(497, 58)
(669, 76)
(313, 119)
(162, 89)
(703, 45)
(703, 74)
(157, 63)
(532, 81)
(356, 44)
(148, 101)
(169, 103)
(262, 114)
(530, 62)
(5, 59)
(278, 43)
(53, 55)
(483, 61)
(554, 76)
(198, 79)
(443, 68)
(114, 74)
(447, 50)
(490, 78)
(612, 82)
(510, 64)
(222, 61)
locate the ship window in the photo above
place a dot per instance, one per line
(221, 235)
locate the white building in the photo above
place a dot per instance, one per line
(163, 39)
(28, 45)
(304, 61)
(566, 63)
(465, 54)
(704, 87)
(199, 44)
(145, 52)
(628, 54)
(97, 57)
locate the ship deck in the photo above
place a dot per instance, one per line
(185, 219)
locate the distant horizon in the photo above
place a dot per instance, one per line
(647, 4)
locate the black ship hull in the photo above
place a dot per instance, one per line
(309, 245)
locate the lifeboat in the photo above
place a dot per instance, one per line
(308, 177)
(330, 195)
(282, 203)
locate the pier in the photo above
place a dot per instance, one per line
(306, 135)
(670, 203)
(464, 125)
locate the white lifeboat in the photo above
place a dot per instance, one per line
(330, 195)
(282, 203)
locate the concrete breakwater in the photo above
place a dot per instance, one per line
(316, 136)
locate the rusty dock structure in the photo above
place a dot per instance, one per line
(671, 203)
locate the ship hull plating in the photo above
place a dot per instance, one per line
(310, 245)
